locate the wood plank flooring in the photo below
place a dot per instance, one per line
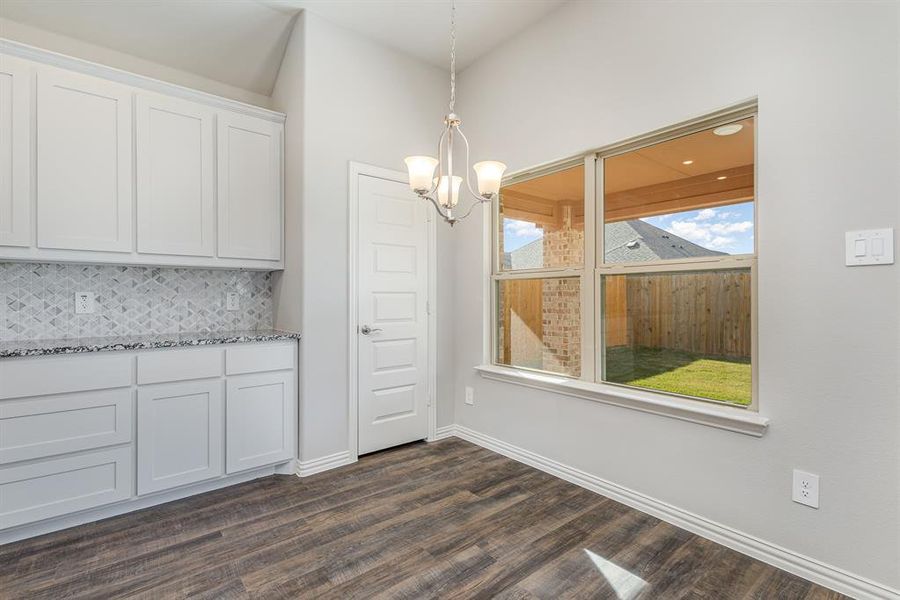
(440, 520)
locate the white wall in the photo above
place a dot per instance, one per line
(363, 102)
(69, 46)
(826, 75)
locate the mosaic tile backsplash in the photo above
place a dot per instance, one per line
(37, 300)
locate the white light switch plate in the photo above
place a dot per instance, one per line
(870, 247)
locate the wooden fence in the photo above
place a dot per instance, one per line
(700, 312)
(704, 313)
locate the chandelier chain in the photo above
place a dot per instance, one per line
(452, 54)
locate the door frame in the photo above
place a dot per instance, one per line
(355, 171)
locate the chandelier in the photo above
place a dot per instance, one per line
(443, 191)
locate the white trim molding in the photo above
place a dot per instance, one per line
(55, 59)
(443, 432)
(729, 418)
(305, 468)
(803, 566)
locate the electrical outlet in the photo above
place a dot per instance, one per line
(470, 396)
(84, 303)
(806, 488)
(232, 301)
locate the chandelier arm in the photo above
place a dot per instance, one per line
(477, 196)
(437, 207)
(471, 208)
(437, 181)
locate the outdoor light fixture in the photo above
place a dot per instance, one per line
(729, 129)
(443, 191)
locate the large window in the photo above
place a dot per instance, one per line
(640, 274)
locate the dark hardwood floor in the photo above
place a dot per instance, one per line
(440, 520)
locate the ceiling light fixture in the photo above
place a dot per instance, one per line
(687, 162)
(443, 191)
(721, 177)
(729, 129)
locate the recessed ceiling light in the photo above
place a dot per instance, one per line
(721, 177)
(687, 162)
(729, 129)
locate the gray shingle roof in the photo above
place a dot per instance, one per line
(637, 240)
(626, 241)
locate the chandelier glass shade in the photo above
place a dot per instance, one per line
(443, 189)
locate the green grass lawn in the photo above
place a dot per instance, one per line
(678, 372)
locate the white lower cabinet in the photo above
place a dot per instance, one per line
(60, 486)
(179, 435)
(259, 420)
(138, 428)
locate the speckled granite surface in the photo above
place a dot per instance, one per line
(139, 342)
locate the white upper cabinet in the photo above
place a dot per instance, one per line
(175, 163)
(84, 184)
(15, 152)
(250, 207)
(102, 166)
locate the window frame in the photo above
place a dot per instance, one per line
(594, 266)
(581, 273)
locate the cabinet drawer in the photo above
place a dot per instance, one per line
(179, 365)
(60, 486)
(64, 374)
(255, 358)
(41, 427)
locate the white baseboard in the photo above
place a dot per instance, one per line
(792, 562)
(95, 514)
(443, 432)
(305, 468)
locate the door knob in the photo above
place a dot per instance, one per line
(366, 330)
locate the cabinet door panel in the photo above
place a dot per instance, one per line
(179, 434)
(84, 186)
(15, 152)
(175, 159)
(259, 420)
(249, 170)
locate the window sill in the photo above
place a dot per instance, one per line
(723, 417)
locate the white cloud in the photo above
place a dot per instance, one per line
(739, 227)
(705, 214)
(521, 229)
(721, 241)
(710, 235)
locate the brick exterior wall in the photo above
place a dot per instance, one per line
(561, 314)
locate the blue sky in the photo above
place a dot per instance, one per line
(726, 229)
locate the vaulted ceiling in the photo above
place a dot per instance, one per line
(241, 42)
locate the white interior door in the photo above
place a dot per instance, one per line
(393, 323)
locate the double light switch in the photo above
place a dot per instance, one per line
(870, 247)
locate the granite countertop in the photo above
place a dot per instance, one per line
(139, 342)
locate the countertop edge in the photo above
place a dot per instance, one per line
(125, 343)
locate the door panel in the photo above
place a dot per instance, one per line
(259, 420)
(393, 288)
(84, 186)
(179, 434)
(175, 161)
(249, 172)
(15, 152)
